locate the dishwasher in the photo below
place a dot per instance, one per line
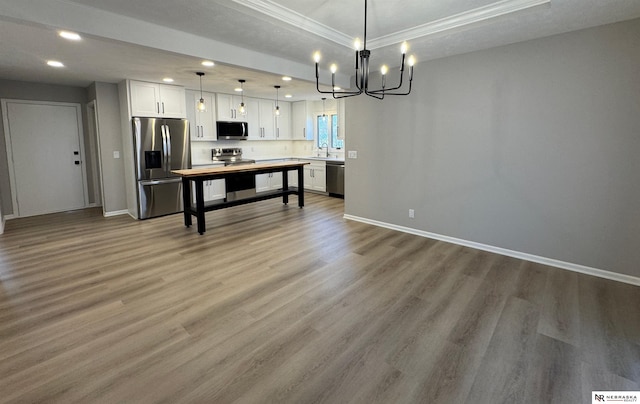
(335, 179)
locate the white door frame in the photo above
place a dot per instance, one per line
(96, 152)
(7, 139)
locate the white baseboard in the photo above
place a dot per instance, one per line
(614, 276)
(116, 213)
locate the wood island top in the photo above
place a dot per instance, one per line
(240, 168)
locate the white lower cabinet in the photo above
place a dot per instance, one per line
(268, 182)
(213, 190)
(315, 176)
(216, 190)
(292, 178)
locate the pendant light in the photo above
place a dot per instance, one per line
(242, 108)
(202, 107)
(277, 111)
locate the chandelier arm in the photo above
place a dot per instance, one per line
(336, 92)
(339, 95)
(386, 90)
(389, 93)
(358, 83)
(374, 95)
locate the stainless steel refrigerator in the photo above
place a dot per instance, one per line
(160, 145)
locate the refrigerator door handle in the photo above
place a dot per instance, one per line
(160, 182)
(168, 132)
(164, 147)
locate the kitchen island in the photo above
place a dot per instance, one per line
(197, 176)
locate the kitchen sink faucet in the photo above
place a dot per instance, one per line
(327, 146)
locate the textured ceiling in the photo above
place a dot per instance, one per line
(260, 39)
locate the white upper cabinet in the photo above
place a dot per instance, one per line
(253, 118)
(260, 116)
(263, 123)
(267, 119)
(202, 123)
(283, 121)
(157, 100)
(228, 108)
(302, 121)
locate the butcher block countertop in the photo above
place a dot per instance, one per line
(241, 168)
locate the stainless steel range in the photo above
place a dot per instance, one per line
(239, 186)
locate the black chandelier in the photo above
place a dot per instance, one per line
(362, 71)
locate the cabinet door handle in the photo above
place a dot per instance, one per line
(157, 107)
(304, 132)
(163, 107)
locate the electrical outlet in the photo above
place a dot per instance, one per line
(412, 213)
(353, 154)
(116, 154)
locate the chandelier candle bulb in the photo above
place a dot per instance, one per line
(412, 61)
(404, 47)
(383, 72)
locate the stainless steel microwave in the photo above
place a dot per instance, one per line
(232, 130)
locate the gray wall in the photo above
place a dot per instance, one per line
(39, 92)
(110, 139)
(532, 147)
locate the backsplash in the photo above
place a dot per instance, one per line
(201, 151)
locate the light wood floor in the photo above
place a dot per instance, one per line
(278, 304)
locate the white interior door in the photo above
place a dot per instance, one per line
(45, 150)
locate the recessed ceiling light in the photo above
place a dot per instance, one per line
(72, 36)
(167, 80)
(286, 78)
(238, 89)
(55, 63)
(288, 96)
(336, 88)
(208, 63)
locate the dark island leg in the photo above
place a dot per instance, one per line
(285, 186)
(200, 204)
(301, 186)
(186, 200)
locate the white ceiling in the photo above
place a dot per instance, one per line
(261, 40)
